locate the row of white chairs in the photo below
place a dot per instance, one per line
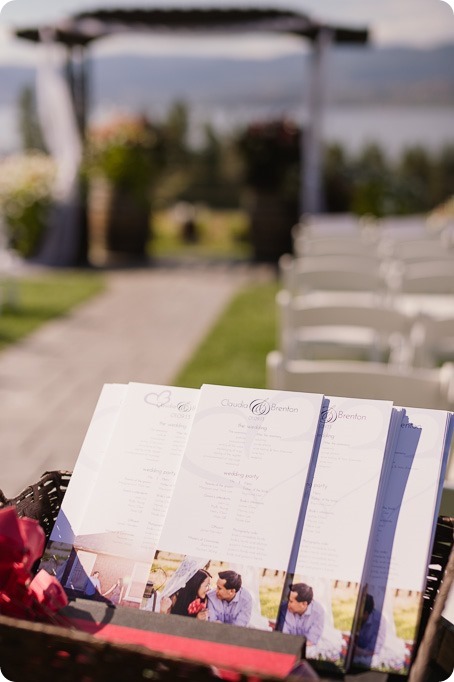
(430, 388)
(365, 273)
(405, 240)
(373, 231)
(341, 328)
(405, 251)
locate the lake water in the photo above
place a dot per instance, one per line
(392, 127)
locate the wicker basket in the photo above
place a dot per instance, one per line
(31, 652)
(38, 652)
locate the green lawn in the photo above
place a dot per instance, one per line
(219, 234)
(41, 298)
(234, 352)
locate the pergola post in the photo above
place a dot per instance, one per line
(311, 200)
(77, 75)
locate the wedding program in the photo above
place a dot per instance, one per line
(402, 542)
(355, 437)
(237, 500)
(277, 510)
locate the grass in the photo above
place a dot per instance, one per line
(234, 352)
(343, 612)
(219, 234)
(406, 617)
(42, 298)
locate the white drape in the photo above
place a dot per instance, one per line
(61, 135)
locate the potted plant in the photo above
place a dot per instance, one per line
(123, 160)
(270, 152)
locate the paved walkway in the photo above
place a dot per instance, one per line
(143, 328)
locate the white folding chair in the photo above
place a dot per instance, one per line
(429, 388)
(434, 277)
(298, 275)
(420, 250)
(346, 245)
(432, 341)
(341, 331)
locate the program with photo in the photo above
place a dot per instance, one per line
(322, 610)
(387, 630)
(240, 506)
(213, 590)
(333, 540)
(239, 492)
(402, 539)
(89, 574)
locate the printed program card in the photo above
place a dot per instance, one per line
(88, 464)
(321, 600)
(225, 545)
(402, 543)
(117, 537)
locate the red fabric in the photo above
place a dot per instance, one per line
(209, 653)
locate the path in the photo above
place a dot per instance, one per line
(143, 328)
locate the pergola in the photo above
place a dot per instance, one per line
(78, 32)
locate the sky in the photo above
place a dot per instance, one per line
(416, 23)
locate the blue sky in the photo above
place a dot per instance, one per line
(421, 23)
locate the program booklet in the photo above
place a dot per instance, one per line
(401, 543)
(265, 509)
(230, 527)
(323, 586)
(105, 549)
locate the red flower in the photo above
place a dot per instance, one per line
(196, 606)
(22, 542)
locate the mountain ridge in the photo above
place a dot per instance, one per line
(397, 75)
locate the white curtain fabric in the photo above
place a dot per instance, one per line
(61, 135)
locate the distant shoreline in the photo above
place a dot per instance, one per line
(393, 127)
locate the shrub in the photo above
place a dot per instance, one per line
(26, 182)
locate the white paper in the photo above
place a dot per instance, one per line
(403, 539)
(405, 531)
(125, 514)
(85, 474)
(338, 520)
(239, 491)
(344, 489)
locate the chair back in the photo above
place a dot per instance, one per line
(356, 331)
(432, 341)
(421, 250)
(348, 275)
(429, 388)
(433, 277)
(347, 245)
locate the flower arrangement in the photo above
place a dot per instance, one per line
(270, 152)
(127, 151)
(22, 543)
(26, 183)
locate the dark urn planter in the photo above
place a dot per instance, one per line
(271, 221)
(119, 225)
